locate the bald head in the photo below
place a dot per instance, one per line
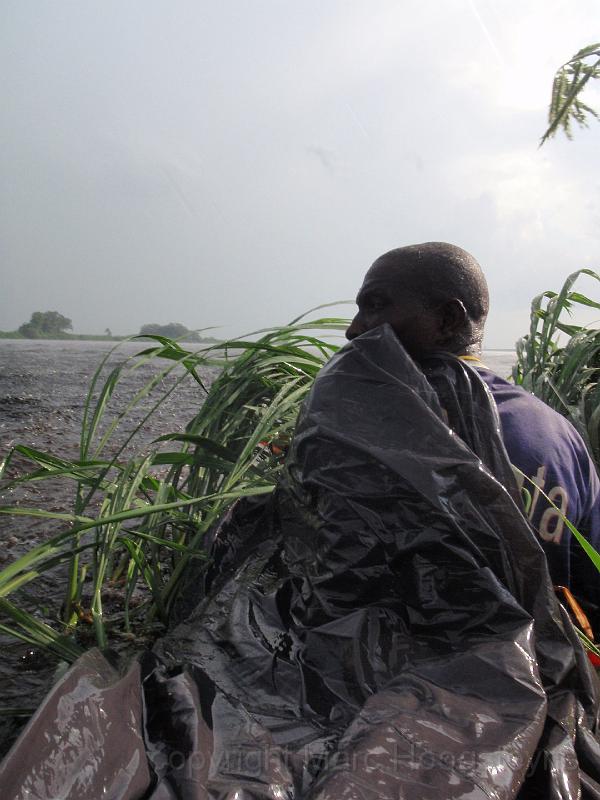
(434, 295)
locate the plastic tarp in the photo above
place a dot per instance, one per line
(382, 626)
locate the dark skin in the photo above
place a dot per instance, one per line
(388, 295)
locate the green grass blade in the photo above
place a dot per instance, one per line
(32, 630)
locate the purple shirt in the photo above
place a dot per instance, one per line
(547, 448)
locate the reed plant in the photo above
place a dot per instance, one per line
(139, 519)
(559, 361)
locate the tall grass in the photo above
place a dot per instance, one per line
(559, 361)
(137, 521)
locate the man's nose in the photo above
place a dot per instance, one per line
(353, 330)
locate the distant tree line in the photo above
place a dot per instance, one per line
(174, 330)
(45, 324)
(51, 324)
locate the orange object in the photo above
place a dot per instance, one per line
(576, 610)
(580, 618)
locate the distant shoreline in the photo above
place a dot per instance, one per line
(91, 337)
(88, 337)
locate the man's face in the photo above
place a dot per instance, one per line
(386, 296)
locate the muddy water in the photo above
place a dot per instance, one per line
(42, 389)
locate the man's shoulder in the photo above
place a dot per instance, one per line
(522, 406)
(547, 449)
(505, 388)
(533, 432)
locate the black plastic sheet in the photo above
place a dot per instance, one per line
(382, 626)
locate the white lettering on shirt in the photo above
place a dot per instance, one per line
(538, 482)
(552, 523)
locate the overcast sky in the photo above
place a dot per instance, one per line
(235, 163)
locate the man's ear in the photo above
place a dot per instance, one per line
(452, 318)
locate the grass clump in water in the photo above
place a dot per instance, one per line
(138, 520)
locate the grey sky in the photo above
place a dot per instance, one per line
(235, 163)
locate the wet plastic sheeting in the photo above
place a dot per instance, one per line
(383, 626)
(85, 740)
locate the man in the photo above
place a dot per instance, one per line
(435, 297)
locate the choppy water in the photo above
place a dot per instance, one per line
(42, 389)
(500, 361)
